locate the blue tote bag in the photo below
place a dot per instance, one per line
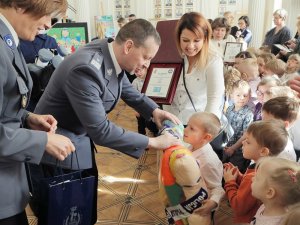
(67, 199)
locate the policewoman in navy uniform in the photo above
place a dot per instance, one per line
(87, 86)
(17, 143)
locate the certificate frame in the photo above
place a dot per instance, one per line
(231, 50)
(161, 82)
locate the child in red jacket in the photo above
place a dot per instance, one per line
(263, 138)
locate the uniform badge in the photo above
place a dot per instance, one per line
(9, 41)
(96, 64)
(24, 101)
(109, 72)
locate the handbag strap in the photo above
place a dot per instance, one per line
(58, 165)
(184, 84)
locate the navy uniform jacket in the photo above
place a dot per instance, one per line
(30, 49)
(81, 91)
(17, 145)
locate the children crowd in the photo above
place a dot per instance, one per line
(258, 171)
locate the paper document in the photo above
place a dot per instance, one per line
(282, 47)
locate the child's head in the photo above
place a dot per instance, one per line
(231, 75)
(202, 128)
(263, 59)
(281, 108)
(264, 138)
(264, 85)
(293, 63)
(277, 181)
(265, 49)
(279, 91)
(247, 66)
(240, 94)
(274, 66)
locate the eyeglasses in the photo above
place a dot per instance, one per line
(259, 93)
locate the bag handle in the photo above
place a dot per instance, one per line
(58, 165)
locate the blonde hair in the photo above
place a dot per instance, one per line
(241, 84)
(209, 122)
(295, 57)
(282, 91)
(277, 66)
(267, 56)
(269, 81)
(253, 51)
(284, 177)
(231, 76)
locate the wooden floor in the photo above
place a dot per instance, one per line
(128, 188)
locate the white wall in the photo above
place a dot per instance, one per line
(210, 9)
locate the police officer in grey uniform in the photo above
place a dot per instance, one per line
(87, 86)
(17, 144)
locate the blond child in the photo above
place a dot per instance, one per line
(264, 85)
(275, 68)
(292, 67)
(262, 138)
(285, 109)
(247, 64)
(277, 185)
(263, 59)
(201, 129)
(239, 116)
(231, 76)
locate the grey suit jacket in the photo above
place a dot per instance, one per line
(82, 90)
(17, 144)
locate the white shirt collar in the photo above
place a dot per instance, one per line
(113, 57)
(11, 29)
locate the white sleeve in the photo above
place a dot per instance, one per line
(213, 180)
(215, 86)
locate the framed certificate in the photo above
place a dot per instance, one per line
(231, 50)
(161, 82)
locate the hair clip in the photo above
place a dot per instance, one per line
(292, 175)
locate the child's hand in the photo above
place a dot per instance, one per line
(229, 150)
(228, 165)
(230, 173)
(206, 208)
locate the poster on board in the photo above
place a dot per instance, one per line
(105, 25)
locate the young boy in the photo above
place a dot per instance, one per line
(285, 109)
(274, 68)
(263, 138)
(138, 83)
(201, 129)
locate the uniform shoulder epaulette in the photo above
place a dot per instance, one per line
(97, 60)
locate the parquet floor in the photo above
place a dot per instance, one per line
(128, 188)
